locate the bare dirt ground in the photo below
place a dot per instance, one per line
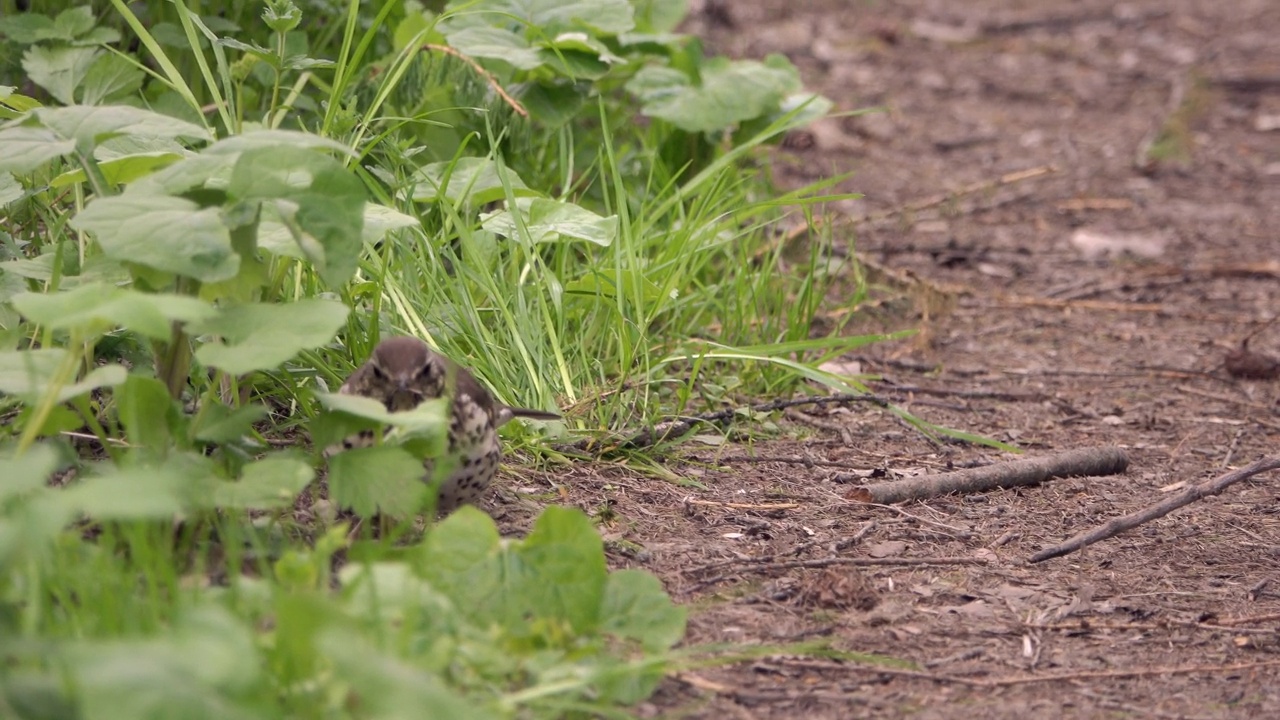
(1089, 305)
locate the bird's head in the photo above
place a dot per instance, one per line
(405, 372)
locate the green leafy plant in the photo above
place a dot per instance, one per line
(206, 221)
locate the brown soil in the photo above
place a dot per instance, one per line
(1158, 119)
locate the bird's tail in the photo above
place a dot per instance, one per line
(506, 413)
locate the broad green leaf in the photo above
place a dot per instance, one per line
(416, 25)
(28, 471)
(561, 569)
(90, 125)
(637, 608)
(604, 282)
(23, 149)
(660, 16)
(196, 171)
(59, 69)
(729, 93)
(575, 64)
(496, 43)
(96, 269)
(98, 36)
(29, 28)
(73, 22)
(219, 648)
(389, 688)
(38, 695)
(261, 337)
(325, 203)
(301, 62)
(390, 594)
(547, 16)
(196, 671)
(59, 419)
(34, 526)
(381, 479)
(475, 180)
(253, 49)
(147, 412)
(27, 373)
(109, 77)
(553, 105)
(170, 234)
(583, 43)
(133, 493)
(218, 423)
(460, 558)
(14, 105)
(552, 220)
(235, 145)
(96, 308)
(121, 171)
(380, 220)
(267, 484)
(10, 188)
(426, 420)
(126, 146)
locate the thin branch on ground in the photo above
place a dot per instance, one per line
(1131, 673)
(1250, 619)
(926, 203)
(753, 567)
(1060, 21)
(880, 669)
(783, 459)
(834, 666)
(741, 506)
(1108, 305)
(956, 531)
(1159, 510)
(673, 428)
(1015, 473)
(968, 394)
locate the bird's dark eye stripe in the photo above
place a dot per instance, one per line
(377, 372)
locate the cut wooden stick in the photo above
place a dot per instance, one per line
(1160, 509)
(1028, 471)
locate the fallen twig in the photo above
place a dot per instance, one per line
(1027, 471)
(829, 561)
(1015, 301)
(1250, 619)
(832, 666)
(925, 203)
(1122, 673)
(968, 394)
(675, 427)
(1059, 21)
(783, 459)
(742, 506)
(1132, 520)
(878, 669)
(1094, 203)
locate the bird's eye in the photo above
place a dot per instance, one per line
(377, 372)
(426, 371)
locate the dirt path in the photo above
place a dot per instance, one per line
(1159, 119)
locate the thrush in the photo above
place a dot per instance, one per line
(405, 371)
